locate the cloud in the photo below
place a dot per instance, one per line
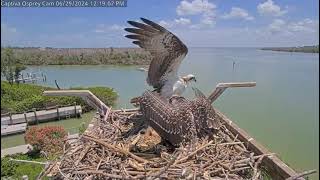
(277, 25)
(238, 13)
(176, 23)
(182, 21)
(198, 7)
(244, 37)
(102, 28)
(8, 34)
(268, 8)
(208, 19)
(304, 26)
(195, 7)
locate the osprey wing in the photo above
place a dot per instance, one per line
(167, 50)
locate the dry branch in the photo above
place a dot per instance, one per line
(105, 152)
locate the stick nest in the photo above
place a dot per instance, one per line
(123, 147)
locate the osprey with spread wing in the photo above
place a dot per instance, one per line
(167, 52)
(173, 117)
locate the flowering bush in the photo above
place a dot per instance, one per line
(48, 139)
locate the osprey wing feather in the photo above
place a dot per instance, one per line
(166, 49)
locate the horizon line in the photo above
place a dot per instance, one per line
(139, 47)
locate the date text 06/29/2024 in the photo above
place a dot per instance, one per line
(64, 3)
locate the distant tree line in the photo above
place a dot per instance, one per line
(306, 49)
(78, 56)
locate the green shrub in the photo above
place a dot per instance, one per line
(18, 98)
(106, 95)
(34, 101)
(82, 128)
(8, 168)
(16, 170)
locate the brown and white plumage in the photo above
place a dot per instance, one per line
(167, 52)
(175, 118)
(179, 120)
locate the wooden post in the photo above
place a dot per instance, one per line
(25, 117)
(35, 115)
(58, 113)
(221, 87)
(22, 78)
(10, 115)
(75, 109)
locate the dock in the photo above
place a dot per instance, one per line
(15, 150)
(31, 77)
(42, 115)
(27, 147)
(13, 129)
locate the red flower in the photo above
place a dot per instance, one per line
(49, 139)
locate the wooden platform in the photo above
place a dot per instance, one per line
(13, 129)
(15, 150)
(276, 168)
(41, 116)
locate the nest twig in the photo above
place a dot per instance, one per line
(107, 151)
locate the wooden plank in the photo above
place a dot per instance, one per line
(86, 95)
(42, 116)
(13, 129)
(276, 168)
(15, 150)
(237, 84)
(126, 110)
(221, 87)
(5, 114)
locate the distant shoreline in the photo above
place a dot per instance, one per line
(80, 56)
(36, 56)
(303, 49)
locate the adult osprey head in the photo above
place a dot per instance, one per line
(167, 52)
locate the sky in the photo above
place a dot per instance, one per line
(198, 23)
